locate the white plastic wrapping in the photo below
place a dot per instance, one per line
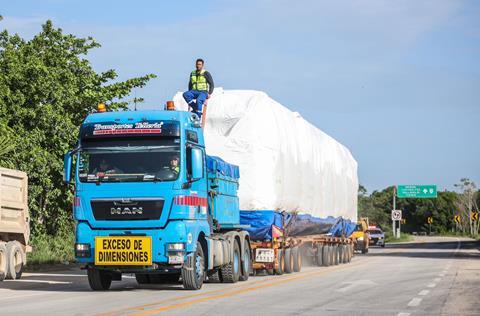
(285, 162)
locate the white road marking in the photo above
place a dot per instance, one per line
(432, 285)
(424, 292)
(437, 279)
(53, 275)
(415, 301)
(351, 285)
(39, 281)
(403, 314)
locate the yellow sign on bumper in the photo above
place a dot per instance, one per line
(123, 250)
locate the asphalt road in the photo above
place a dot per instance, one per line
(432, 276)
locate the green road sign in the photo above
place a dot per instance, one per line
(417, 191)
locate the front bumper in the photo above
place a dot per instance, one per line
(174, 232)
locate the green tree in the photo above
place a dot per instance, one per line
(47, 87)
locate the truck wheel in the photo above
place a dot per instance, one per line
(344, 254)
(319, 255)
(336, 255)
(280, 266)
(142, 278)
(172, 278)
(364, 248)
(297, 259)
(246, 261)
(341, 254)
(326, 255)
(215, 277)
(288, 260)
(15, 260)
(231, 272)
(193, 271)
(3, 261)
(99, 280)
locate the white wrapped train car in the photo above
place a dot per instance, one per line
(286, 163)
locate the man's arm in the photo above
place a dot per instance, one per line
(189, 83)
(209, 78)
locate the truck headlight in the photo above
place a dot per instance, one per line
(82, 250)
(176, 253)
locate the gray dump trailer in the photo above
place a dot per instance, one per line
(14, 223)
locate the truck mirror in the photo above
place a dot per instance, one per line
(197, 164)
(67, 167)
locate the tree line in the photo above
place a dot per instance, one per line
(443, 210)
(47, 88)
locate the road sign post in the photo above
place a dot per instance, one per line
(430, 221)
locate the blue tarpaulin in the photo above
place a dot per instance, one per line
(261, 222)
(217, 164)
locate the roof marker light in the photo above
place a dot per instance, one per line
(170, 106)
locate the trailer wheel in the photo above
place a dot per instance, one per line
(142, 278)
(280, 266)
(231, 272)
(246, 261)
(319, 255)
(193, 272)
(336, 255)
(15, 260)
(343, 254)
(3, 261)
(288, 260)
(99, 280)
(326, 255)
(297, 259)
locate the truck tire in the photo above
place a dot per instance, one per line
(231, 272)
(336, 255)
(193, 271)
(280, 266)
(15, 260)
(171, 278)
(319, 255)
(297, 259)
(246, 261)
(326, 255)
(3, 261)
(215, 277)
(142, 278)
(288, 260)
(344, 254)
(99, 280)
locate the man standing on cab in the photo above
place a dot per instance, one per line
(200, 87)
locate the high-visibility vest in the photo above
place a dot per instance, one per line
(199, 82)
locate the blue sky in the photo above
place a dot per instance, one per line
(397, 82)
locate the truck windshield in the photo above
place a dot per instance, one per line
(129, 161)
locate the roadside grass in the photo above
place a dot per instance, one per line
(49, 249)
(404, 237)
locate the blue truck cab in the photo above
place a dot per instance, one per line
(149, 201)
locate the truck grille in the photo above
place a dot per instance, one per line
(127, 209)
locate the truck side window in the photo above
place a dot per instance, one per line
(190, 172)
